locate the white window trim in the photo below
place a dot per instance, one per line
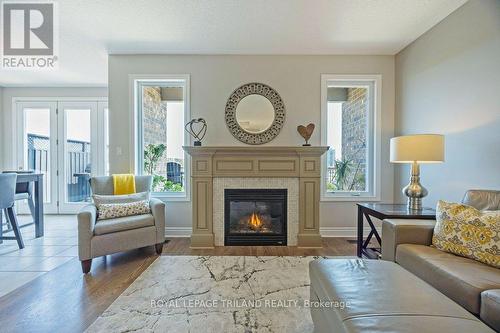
(135, 162)
(375, 150)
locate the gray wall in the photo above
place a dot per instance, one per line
(8, 126)
(213, 78)
(448, 81)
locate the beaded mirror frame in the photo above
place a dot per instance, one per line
(279, 113)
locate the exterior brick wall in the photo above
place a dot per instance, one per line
(155, 122)
(354, 125)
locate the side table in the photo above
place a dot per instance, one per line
(383, 211)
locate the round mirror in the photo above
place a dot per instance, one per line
(255, 114)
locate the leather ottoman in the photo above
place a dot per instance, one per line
(357, 295)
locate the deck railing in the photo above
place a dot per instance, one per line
(78, 167)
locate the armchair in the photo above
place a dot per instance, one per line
(99, 238)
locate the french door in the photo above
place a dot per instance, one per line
(67, 141)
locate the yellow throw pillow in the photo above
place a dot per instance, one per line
(465, 231)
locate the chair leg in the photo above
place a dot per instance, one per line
(159, 248)
(86, 265)
(7, 222)
(15, 227)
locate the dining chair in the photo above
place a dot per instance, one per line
(7, 199)
(24, 191)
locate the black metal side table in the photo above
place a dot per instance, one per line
(383, 211)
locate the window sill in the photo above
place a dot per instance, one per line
(327, 198)
(168, 197)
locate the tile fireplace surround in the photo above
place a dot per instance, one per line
(214, 169)
(291, 184)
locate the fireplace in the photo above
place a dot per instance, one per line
(255, 216)
(215, 169)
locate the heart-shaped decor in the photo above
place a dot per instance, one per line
(197, 128)
(306, 132)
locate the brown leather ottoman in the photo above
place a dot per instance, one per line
(381, 296)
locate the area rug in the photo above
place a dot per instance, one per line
(214, 294)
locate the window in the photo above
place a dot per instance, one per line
(349, 120)
(162, 111)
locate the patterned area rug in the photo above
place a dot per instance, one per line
(214, 294)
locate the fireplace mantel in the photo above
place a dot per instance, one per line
(208, 162)
(287, 150)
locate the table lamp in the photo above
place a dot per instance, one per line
(416, 149)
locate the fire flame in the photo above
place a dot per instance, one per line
(255, 221)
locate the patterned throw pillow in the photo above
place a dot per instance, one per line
(468, 232)
(112, 211)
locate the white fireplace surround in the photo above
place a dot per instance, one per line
(291, 184)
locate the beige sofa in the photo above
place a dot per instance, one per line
(416, 289)
(473, 285)
(99, 238)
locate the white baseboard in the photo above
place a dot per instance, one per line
(324, 231)
(343, 231)
(178, 231)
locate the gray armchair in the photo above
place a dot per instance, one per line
(99, 238)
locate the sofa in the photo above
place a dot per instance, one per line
(101, 237)
(415, 288)
(473, 285)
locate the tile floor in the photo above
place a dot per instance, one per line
(40, 255)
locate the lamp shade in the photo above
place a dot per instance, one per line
(421, 148)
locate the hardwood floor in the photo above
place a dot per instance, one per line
(331, 247)
(65, 300)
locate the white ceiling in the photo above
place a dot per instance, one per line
(92, 29)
